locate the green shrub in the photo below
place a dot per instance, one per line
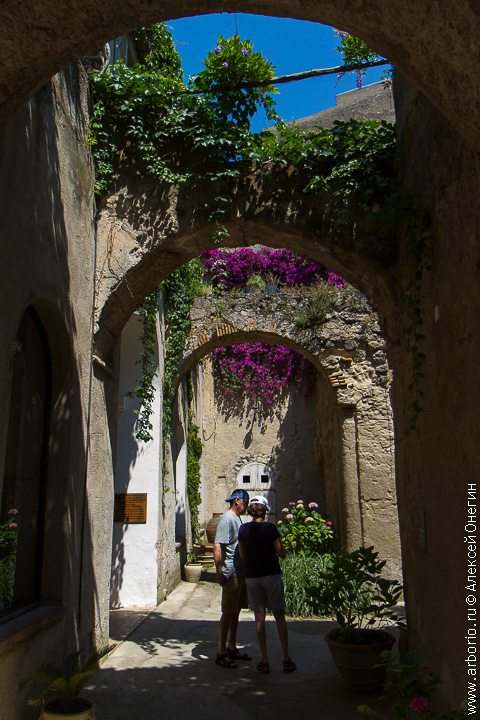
(302, 577)
(357, 595)
(320, 301)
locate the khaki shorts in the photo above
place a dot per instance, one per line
(234, 595)
(266, 592)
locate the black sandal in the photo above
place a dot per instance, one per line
(288, 666)
(224, 661)
(238, 655)
(263, 667)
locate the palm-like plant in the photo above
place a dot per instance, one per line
(61, 685)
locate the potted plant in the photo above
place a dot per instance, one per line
(362, 602)
(193, 567)
(56, 690)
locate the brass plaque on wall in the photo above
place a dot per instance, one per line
(130, 508)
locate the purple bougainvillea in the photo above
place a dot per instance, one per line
(257, 369)
(226, 269)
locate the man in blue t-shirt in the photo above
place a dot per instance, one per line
(230, 576)
(260, 547)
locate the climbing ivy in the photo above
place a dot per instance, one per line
(194, 453)
(148, 362)
(199, 133)
(146, 115)
(179, 291)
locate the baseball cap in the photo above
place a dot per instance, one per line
(238, 493)
(260, 500)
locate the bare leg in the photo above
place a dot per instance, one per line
(261, 634)
(282, 633)
(225, 623)
(232, 632)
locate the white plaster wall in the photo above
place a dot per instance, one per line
(181, 494)
(137, 470)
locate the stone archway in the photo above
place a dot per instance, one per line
(347, 349)
(146, 230)
(45, 36)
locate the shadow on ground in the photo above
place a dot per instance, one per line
(166, 669)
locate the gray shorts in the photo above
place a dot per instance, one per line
(266, 592)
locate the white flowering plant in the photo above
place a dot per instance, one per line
(303, 529)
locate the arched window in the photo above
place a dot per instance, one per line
(22, 505)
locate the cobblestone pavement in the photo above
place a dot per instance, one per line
(166, 669)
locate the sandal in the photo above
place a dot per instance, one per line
(224, 661)
(263, 667)
(238, 655)
(288, 666)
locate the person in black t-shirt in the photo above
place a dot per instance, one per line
(260, 547)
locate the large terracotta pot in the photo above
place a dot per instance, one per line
(355, 661)
(84, 710)
(211, 527)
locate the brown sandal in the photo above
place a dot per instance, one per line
(263, 667)
(224, 661)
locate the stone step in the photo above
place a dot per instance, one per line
(205, 553)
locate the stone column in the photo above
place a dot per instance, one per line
(352, 524)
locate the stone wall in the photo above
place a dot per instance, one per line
(47, 255)
(436, 462)
(284, 439)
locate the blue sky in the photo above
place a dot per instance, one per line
(291, 45)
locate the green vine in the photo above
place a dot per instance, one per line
(179, 291)
(194, 453)
(148, 361)
(144, 116)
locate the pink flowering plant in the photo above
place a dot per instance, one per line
(303, 529)
(8, 553)
(411, 687)
(257, 370)
(227, 269)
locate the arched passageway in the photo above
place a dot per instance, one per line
(439, 458)
(350, 397)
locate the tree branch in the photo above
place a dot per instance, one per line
(293, 77)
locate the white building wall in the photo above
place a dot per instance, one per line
(137, 470)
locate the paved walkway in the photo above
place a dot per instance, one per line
(165, 669)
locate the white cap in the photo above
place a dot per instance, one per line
(260, 500)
